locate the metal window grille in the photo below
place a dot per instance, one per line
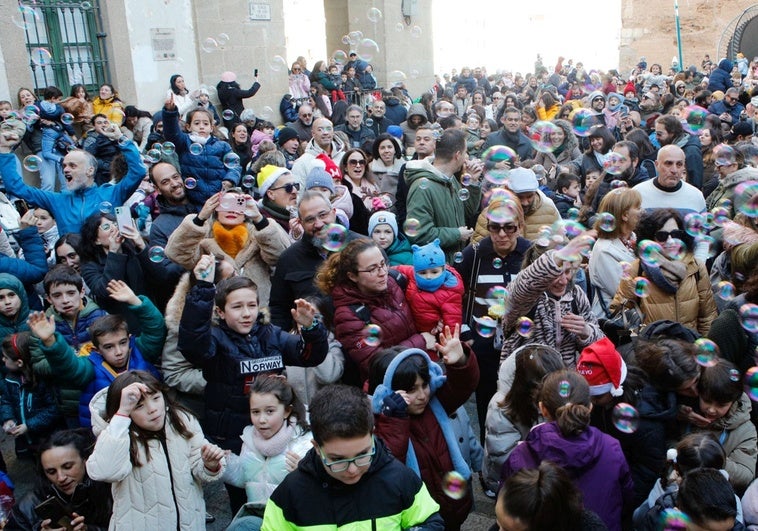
(64, 41)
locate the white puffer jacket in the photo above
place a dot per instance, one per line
(149, 496)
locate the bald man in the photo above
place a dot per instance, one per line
(668, 189)
(323, 142)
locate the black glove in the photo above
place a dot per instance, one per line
(394, 406)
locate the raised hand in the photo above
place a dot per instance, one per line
(130, 396)
(450, 347)
(303, 313)
(205, 269)
(42, 326)
(121, 292)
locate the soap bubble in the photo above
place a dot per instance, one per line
(340, 57)
(749, 317)
(606, 222)
(423, 183)
(573, 213)
(626, 419)
(32, 163)
(153, 156)
(497, 263)
(369, 122)
(458, 257)
(503, 213)
(248, 181)
(746, 198)
(355, 37)
(751, 382)
(399, 27)
(41, 56)
(614, 163)
(496, 311)
(197, 149)
(411, 227)
(709, 242)
(345, 39)
(497, 293)
(650, 252)
(277, 64)
(673, 519)
(26, 17)
(725, 290)
(693, 118)
(626, 270)
(231, 160)
(156, 253)
(396, 76)
(524, 327)
(497, 177)
(466, 179)
(222, 39)
(372, 335)
(85, 6)
(31, 110)
(720, 215)
(190, 183)
(209, 45)
(336, 237)
(641, 287)
(67, 118)
(228, 115)
(582, 122)
(454, 485)
(618, 183)
(374, 14)
(572, 228)
(106, 207)
(415, 73)
(706, 352)
(495, 154)
(564, 389)
(675, 249)
(540, 135)
(416, 32)
(168, 148)
(485, 326)
(464, 194)
(367, 49)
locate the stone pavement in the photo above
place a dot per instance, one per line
(22, 472)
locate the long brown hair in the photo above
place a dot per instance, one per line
(335, 270)
(175, 413)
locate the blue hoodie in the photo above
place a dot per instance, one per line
(721, 78)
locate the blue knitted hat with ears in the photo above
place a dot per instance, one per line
(384, 389)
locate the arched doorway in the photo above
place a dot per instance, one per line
(741, 35)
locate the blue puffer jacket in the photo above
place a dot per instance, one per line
(104, 376)
(721, 78)
(33, 267)
(207, 168)
(70, 209)
(77, 335)
(231, 361)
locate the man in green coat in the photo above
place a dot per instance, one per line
(438, 205)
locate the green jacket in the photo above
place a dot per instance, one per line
(434, 201)
(78, 371)
(399, 252)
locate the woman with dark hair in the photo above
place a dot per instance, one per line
(387, 161)
(512, 412)
(511, 100)
(528, 117)
(79, 104)
(66, 252)
(674, 285)
(239, 139)
(547, 106)
(564, 154)
(320, 100)
(108, 104)
(710, 138)
(648, 153)
(109, 254)
(366, 298)
(593, 459)
(320, 75)
(140, 123)
(543, 498)
(62, 475)
(181, 94)
(601, 142)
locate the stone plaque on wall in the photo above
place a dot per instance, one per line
(260, 11)
(163, 41)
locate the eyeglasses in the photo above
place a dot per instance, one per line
(341, 465)
(105, 227)
(374, 270)
(289, 187)
(495, 228)
(663, 235)
(730, 98)
(306, 115)
(323, 216)
(356, 162)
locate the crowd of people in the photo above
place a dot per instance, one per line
(302, 311)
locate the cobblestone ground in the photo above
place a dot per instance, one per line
(22, 472)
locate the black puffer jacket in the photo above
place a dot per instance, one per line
(231, 361)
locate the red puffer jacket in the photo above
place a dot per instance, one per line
(389, 310)
(429, 307)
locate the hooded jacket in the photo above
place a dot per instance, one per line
(437, 206)
(76, 333)
(726, 186)
(593, 460)
(388, 496)
(17, 323)
(396, 113)
(721, 77)
(409, 131)
(231, 95)
(430, 307)
(168, 485)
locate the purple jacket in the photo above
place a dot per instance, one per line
(594, 461)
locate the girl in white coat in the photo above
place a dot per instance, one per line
(271, 448)
(155, 455)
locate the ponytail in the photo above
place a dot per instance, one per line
(566, 396)
(572, 419)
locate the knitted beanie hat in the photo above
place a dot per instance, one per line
(382, 218)
(268, 176)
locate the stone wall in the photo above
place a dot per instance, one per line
(649, 30)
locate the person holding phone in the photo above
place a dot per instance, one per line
(66, 497)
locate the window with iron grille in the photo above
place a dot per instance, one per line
(64, 41)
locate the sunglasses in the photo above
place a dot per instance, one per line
(495, 228)
(289, 187)
(356, 162)
(663, 235)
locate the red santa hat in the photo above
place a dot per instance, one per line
(603, 368)
(330, 166)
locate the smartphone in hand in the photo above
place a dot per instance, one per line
(123, 218)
